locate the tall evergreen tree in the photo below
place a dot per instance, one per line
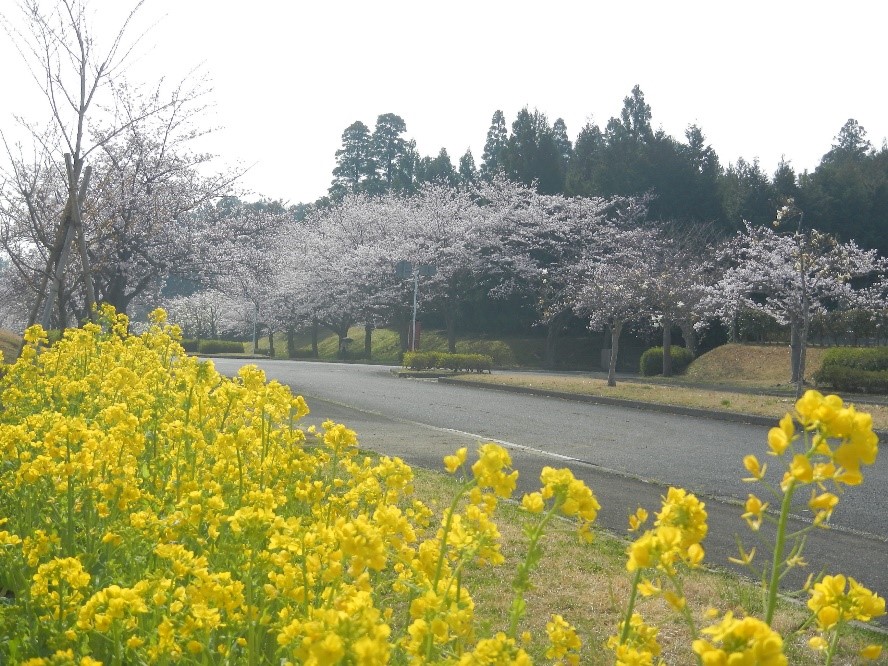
(494, 146)
(747, 194)
(354, 161)
(439, 169)
(562, 141)
(467, 172)
(532, 153)
(388, 149)
(784, 183)
(847, 193)
(636, 116)
(851, 143)
(586, 161)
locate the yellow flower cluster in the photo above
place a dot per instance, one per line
(678, 531)
(824, 418)
(564, 644)
(572, 498)
(155, 512)
(835, 599)
(740, 641)
(636, 644)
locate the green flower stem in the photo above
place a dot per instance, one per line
(833, 645)
(447, 525)
(630, 607)
(779, 546)
(686, 612)
(429, 641)
(522, 578)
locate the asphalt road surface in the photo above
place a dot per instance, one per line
(627, 456)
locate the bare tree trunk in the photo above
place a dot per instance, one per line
(368, 340)
(404, 334)
(450, 323)
(77, 220)
(690, 338)
(270, 342)
(342, 334)
(291, 341)
(616, 328)
(795, 350)
(553, 330)
(667, 347)
(314, 337)
(69, 228)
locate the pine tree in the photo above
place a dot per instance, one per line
(497, 140)
(354, 161)
(467, 172)
(388, 150)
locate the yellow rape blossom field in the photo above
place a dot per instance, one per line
(155, 512)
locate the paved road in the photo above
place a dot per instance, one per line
(626, 455)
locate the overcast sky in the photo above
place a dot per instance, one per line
(761, 79)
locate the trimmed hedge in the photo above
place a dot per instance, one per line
(455, 362)
(855, 369)
(652, 360)
(859, 358)
(221, 347)
(213, 347)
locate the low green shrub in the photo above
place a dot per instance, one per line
(221, 347)
(455, 362)
(302, 353)
(855, 369)
(190, 345)
(872, 359)
(852, 380)
(652, 360)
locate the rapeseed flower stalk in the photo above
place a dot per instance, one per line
(153, 511)
(675, 539)
(826, 452)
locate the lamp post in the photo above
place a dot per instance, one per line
(405, 269)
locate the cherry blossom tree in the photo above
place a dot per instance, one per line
(680, 269)
(245, 259)
(337, 269)
(536, 241)
(90, 106)
(792, 276)
(443, 229)
(208, 313)
(612, 285)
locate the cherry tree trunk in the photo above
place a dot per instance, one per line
(368, 340)
(795, 351)
(690, 338)
(450, 323)
(553, 330)
(667, 347)
(616, 328)
(314, 337)
(291, 341)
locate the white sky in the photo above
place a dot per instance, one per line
(761, 79)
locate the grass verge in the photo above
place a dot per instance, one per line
(662, 393)
(589, 586)
(9, 345)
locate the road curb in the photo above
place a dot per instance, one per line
(731, 417)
